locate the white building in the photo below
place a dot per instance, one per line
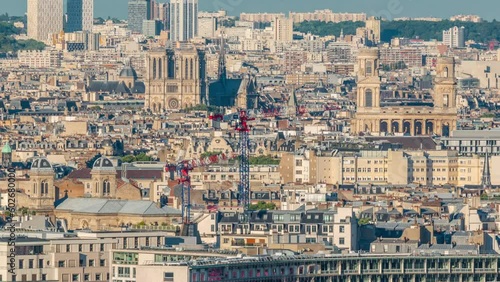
(283, 29)
(207, 27)
(80, 15)
(40, 59)
(183, 19)
(454, 37)
(45, 17)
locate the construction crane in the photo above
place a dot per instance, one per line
(244, 153)
(183, 169)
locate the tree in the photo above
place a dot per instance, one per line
(209, 154)
(363, 221)
(262, 206)
(264, 160)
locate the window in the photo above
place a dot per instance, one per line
(123, 272)
(40, 263)
(75, 277)
(86, 277)
(102, 262)
(91, 262)
(102, 248)
(44, 277)
(368, 98)
(168, 276)
(80, 247)
(91, 247)
(98, 277)
(30, 264)
(342, 229)
(21, 264)
(369, 68)
(68, 248)
(61, 263)
(341, 241)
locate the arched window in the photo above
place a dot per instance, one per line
(186, 69)
(368, 98)
(34, 188)
(106, 188)
(154, 68)
(97, 188)
(191, 69)
(445, 100)
(160, 68)
(445, 72)
(369, 68)
(44, 188)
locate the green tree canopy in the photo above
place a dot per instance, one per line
(262, 206)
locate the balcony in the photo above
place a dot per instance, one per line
(370, 271)
(438, 270)
(415, 270)
(461, 270)
(392, 271)
(350, 271)
(484, 270)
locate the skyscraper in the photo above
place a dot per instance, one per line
(45, 17)
(138, 11)
(80, 15)
(183, 19)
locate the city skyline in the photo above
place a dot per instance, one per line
(390, 8)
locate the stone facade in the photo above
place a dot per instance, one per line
(440, 119)
(174, 79)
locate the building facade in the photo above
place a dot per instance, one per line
(80, 15)
(45, 17)
(454, 37)
(138, 11)
(283, 29)
(183, 19)
(175, 78)
(371, 116)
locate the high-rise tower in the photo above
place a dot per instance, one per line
(138, 11)
(45, 17)
(80, 15)
(183, 19)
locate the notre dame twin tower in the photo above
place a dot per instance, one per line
(175, 78)
(415, 118)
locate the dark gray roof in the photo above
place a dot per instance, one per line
(116, 87)
(128, 71)
(41, 164)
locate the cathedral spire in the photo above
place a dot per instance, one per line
(222, 59)
(486, 179)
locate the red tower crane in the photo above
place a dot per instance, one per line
(183, 168)
(244, 188)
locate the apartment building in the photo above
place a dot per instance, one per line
(263, 174)
(127, 264)
(327, 16)
(82, 256)
(293, 230)
(40, 59)
(411, 57)
(260, 17)
(436, 167)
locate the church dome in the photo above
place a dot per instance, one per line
(41, 164)
(6, 149)
(128, 72)
(103, 163)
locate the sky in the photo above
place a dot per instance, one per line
(488, 9)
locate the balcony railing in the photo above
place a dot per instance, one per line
(415, 270)
(350, 271)
(484, 270)
(438, 270)
(461, 270)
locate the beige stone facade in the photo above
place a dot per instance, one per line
(440, 119)
(173, 79)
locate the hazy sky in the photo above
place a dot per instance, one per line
(488, 9)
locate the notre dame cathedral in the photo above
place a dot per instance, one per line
(376, 116)
(175, 78)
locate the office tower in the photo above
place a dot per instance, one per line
(80, 15)
(164, 15)
(138, 11)
(283, 29)
(183, 19)
(454, 37)
(45, 17)
(373, 24)
(151, 28)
